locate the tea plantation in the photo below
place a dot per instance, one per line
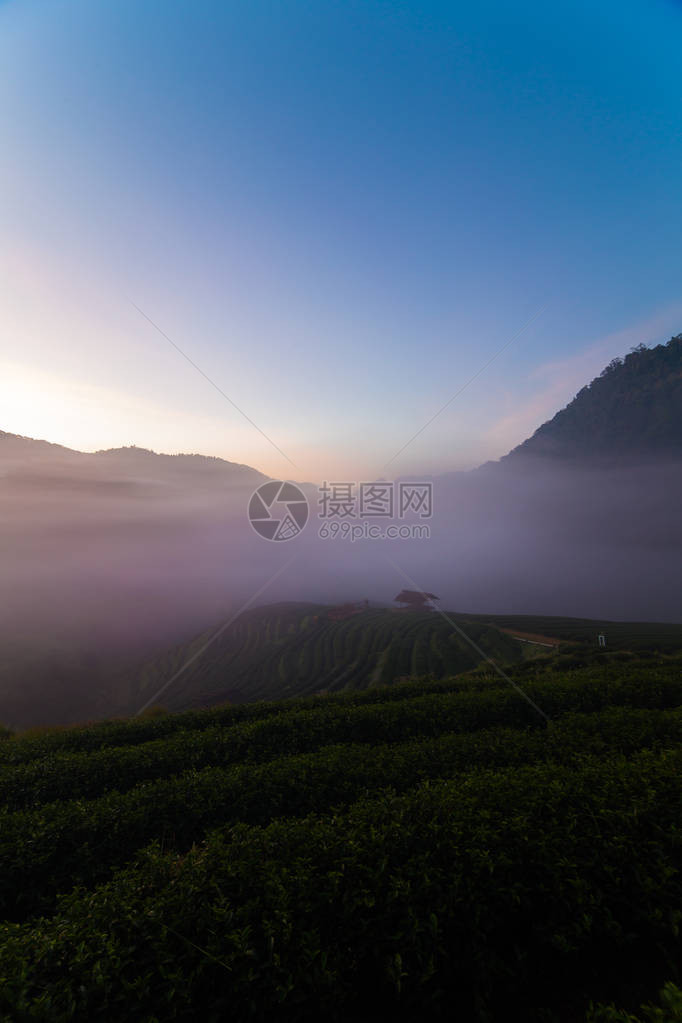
(429, 850)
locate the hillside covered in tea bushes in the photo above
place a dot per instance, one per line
(433, 849)
(293, 649)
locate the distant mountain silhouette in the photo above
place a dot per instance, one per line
(632, 410)
(24, 457)
(14, 448)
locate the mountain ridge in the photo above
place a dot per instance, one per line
(633, 408)
(17, 449)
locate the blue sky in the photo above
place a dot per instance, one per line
(340, 212)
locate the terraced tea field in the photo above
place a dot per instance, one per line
(432, 849)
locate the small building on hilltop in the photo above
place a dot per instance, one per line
(415, 600)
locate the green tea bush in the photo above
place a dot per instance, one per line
(512, 894)
(427, 850)
(52, 848)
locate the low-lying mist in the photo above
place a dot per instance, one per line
(110, 558)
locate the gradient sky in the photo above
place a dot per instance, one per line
(340, 211)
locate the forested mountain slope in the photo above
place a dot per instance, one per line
(633, 409)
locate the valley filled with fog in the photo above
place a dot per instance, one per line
(110, 558)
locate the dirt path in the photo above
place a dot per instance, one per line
(532, 637)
